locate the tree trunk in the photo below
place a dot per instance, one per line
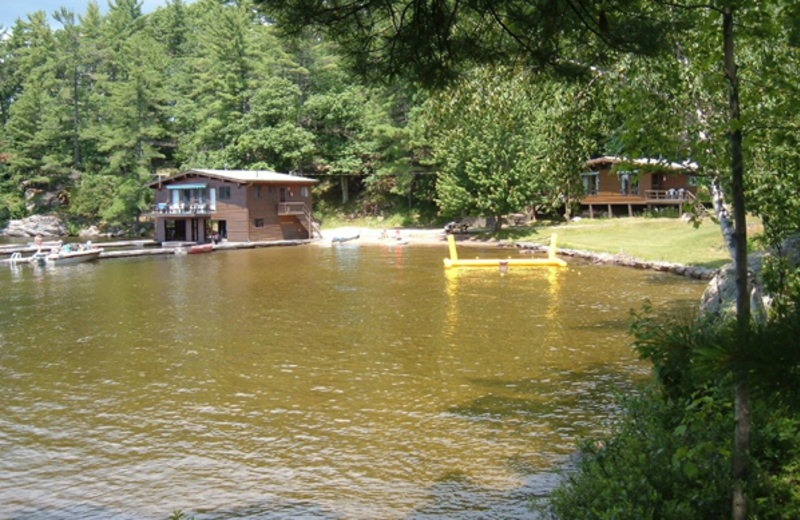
(345, 185)
(742, 394)
(497, 223)
(726, 225)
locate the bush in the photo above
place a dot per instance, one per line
(670, 454)
(661, 461)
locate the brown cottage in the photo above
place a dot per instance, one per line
(237, 205)
(636, 183)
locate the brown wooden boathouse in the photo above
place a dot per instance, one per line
(615, 183)
(238, 205)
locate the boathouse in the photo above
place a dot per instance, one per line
(617, 185)
(236, 205)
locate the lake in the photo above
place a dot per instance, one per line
(308, 382)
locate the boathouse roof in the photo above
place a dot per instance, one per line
(244, 176)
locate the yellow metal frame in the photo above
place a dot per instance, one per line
(550, 261)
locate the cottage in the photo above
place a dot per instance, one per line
(615, 182)
(237, 205)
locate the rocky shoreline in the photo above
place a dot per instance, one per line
(696, 272)
(367, 236)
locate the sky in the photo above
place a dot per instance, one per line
(10, 10)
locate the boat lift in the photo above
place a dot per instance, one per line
(550, 261)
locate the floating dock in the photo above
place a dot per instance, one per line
(499, 263)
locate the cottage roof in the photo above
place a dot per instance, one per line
(244, 176)
(645, 162)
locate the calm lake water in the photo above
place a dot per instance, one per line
(307, 382)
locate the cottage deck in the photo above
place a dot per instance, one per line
(650, 198)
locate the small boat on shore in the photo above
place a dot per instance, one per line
(68, 257)
(200, 248)
(345, 237)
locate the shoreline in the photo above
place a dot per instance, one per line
(437, 237)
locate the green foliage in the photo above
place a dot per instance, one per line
(12, 206)
(435, 41)
(484, 140)
(669, 458)
(669, 455)
(664, 460)
(117, 200)
(180, 515)
(201, 84)
(688, 353)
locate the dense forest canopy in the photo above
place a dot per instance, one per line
(93, 106)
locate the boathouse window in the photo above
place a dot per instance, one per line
(259, 223)
(224, 193)
(304, 191)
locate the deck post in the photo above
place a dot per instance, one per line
(591, 211)
(610, 212)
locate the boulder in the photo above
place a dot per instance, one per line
(89, 232)
(719, 298)
(45, 225)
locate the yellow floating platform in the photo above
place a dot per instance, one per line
(550, 261)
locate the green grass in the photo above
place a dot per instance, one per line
(663, 239)
(646, 238)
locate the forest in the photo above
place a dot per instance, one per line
(93, 106)
(463, 107)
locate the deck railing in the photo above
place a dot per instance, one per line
(671, 194)
(291, 208)
(202, 208)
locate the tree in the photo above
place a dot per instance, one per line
(484, 138)
(433, 41)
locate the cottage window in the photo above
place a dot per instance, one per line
(304, 191)
(258, 192)
(225, 193)
(259, 223)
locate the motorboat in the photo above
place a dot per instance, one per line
(67, 257)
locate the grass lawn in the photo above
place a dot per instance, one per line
(665, 239)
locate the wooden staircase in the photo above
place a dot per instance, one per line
(310, 224)
(699, 208)
(303, 214)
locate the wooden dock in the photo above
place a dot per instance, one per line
(10, 249)
(109, 251)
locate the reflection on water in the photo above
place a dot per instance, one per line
(306, 382)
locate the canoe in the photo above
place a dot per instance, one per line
(345, 238)
(73, 257)
(200, 248)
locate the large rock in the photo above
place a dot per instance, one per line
(719, 297)
(45, 225)
(90, 232)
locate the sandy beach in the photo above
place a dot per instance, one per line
(394, 236)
